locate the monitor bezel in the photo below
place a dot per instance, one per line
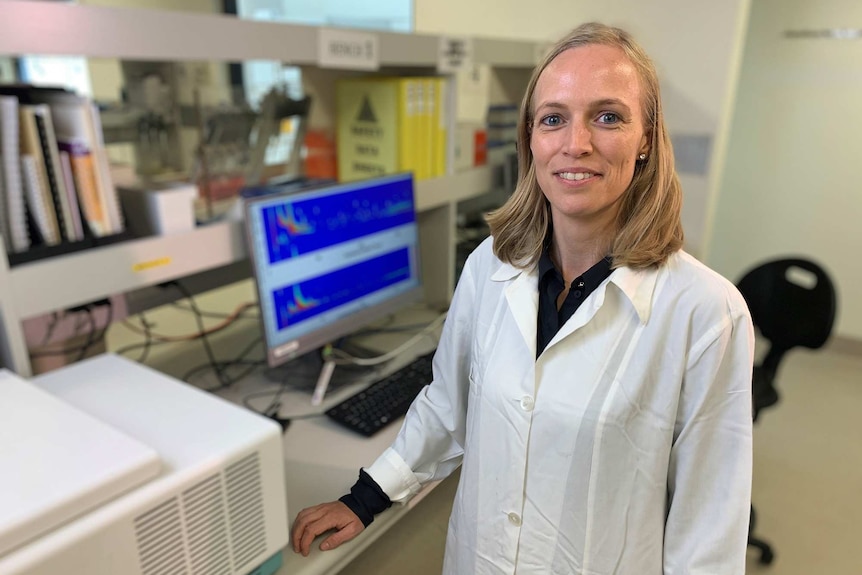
(279, 354)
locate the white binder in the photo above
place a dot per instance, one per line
(13, 210)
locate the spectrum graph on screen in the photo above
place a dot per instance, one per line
(319, 294)
(328, 259)
(297, 228)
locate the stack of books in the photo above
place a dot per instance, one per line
(55, 182)
(391, 125)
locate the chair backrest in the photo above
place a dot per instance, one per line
(792, 302)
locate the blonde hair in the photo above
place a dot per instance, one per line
(649, 229)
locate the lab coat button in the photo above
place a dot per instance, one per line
(527, 403)
(514, 519)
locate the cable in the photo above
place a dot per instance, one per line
(228, 321)
(274, 407)
(275, 404)
(55, 319)
(79, 323)
(203, 333)
(92, 339)
(393, 329)
(148, 342)
(272, 410)
(153, 339)
(220, 315)
(238, 360)
(347, 358)
(377, 326)
(82, 350)
(132, 347)
(250, 365)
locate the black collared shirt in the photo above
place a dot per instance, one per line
(551, 285)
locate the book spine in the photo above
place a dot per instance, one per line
(406, 126)
(54, 181)
(103, 168)
(84, 174)
(38, 202)
(71, 194)
(421, 129)
(441, 132)
(31, 147)
(4, 212)
(10, 158)
(427, 146)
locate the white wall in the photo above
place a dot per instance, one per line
(516, 19)
(696, 47)
(791, 183)
(107, 76)
(376, 14)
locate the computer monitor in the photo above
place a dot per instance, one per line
(330, 259)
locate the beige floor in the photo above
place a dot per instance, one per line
(807, 483)
(808, 467)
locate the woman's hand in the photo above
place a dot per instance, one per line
(319, 519)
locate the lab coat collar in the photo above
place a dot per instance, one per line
(522, 295)
(638, 286)
(505, 272)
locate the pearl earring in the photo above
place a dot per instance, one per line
(642, 156)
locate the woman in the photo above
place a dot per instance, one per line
(592, 380)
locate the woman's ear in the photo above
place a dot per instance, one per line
(645, 141)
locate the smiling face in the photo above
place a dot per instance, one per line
(586, 133)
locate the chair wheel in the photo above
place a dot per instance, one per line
(766, 556)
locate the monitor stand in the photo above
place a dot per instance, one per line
(304, 373)
(323, 380)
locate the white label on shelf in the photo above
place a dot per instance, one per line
(454, 53)
(347, 50)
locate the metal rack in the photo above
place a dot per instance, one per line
(28, 27)
(32, 289)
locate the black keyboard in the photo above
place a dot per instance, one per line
(384, 401)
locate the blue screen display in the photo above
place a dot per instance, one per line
(297, 228)
(323, 255)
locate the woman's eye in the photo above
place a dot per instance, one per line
(608, 118)
(552, 120)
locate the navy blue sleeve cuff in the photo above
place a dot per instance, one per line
(366, 499)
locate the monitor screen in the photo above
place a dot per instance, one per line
(329, 259)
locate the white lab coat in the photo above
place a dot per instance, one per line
(624, 449)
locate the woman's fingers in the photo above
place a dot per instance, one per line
(344, 534)
(319, 519)
(301, 523)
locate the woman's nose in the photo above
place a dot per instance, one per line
(579, 140)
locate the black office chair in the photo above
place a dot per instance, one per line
(792, 303)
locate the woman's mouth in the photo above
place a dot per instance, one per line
(576, 176)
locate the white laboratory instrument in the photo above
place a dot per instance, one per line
(107, 466)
